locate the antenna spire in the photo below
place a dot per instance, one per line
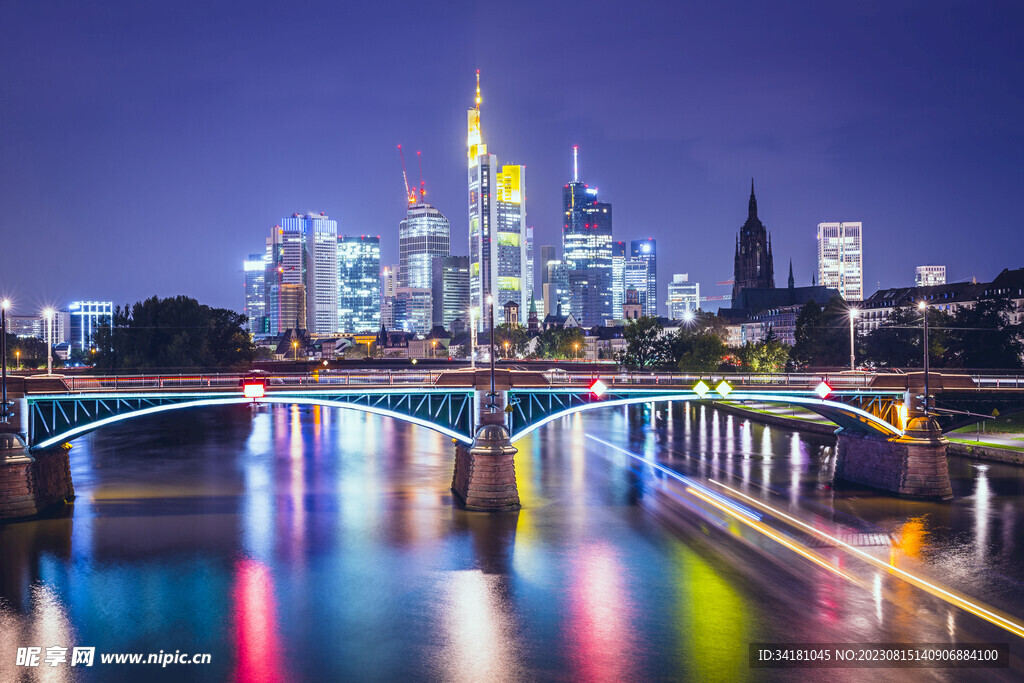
(575, 164)
(478, 89)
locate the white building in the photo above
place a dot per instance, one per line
(841, 259)
(928, 276)
(305, 252)
(683, 297)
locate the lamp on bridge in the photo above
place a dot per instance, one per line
(48, 314)
(854, 312)
(4, 305)
(923, 307)
(493, 405)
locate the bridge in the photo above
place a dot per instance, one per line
(881, 419)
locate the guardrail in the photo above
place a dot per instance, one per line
(234, 380)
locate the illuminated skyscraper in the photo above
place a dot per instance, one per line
(497, 225)
(86, 319)
(254, 269)
(683, 297)
(450, 291)
(618, 277)
(587, 251)
(647, 250)
(358, 283)
(424, 235)
(305, 252)
(840, 259)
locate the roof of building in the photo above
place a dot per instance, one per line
(953, 292)
(751, 301)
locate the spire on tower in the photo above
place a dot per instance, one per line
(791, 282)
(752, 208)
(478, 89)
(575, 164)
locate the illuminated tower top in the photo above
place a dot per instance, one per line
(475, 141)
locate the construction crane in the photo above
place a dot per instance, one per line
(410, 195)
(423, 190)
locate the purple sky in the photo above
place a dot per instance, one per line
(148, 147)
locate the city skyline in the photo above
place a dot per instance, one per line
(210, 156)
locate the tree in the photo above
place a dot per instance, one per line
(517, 337)
(822, 336)
(700, 351)
(561, 342)
(176, 332)
(767, 355)
(643, 348)
(982, 337)
(898, 342)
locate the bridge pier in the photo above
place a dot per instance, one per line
(30, 483)
(913, 465)
(485, 472)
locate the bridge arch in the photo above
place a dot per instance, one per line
(843, 415)
(79, 430)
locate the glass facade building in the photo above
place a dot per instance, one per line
(450, 291)
(254, 271)
(587, 252)
(412, 309)
(424, 235)
(359, 280)
(86, 318)
(647, 250)
(840, 259)
(306, 252)
(683, 297)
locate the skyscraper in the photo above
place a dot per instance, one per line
(388, 290)
(754, 267)
(305, 252)
(587, 250)
(636, 276)
(412, 309)
(618, 277)
(840, 259)
(254, 285)
(358, 283)
(928, 276)
(450, 291)
(683, 297)
(424, 235)
(647, 250)
(497, 224)
(86, 318)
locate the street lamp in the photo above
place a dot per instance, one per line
(853, 321)
(472, 337)
(576, 349)
(48, 314)
(295, 347)
(923, 307)
(506, 349)
(490, 305)
(433, 348)
(4, 305)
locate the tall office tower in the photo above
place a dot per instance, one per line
(683, 297)
(753, 267)
(450, 291)
(556, 289)
(927, 276)
(86, 317)
(412, 309)
(254, 269)
(840, 259)
(305, 251)
(587, 250)
(292, 307)
(388, 289)
(548, 253)
(358, 283)
(497, 225)
(636, 275)
(528, 292)
(424, 235)
(618, 276)
(648, 251)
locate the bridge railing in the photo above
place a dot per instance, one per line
(796, 380)
(89, 383)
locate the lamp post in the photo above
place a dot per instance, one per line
(433, 349)
(48, 314)
(4, 305)
(923, 307)
(490, 305)
(853, 321)
(17, 355)
(506, 349)
(576, 349)
(295, 350)
(472, 337)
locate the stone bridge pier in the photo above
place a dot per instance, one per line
(912, 465)
(31, 483)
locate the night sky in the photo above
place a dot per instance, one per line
(148, 147)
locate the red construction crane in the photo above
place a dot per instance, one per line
(410, 195)
(423, 190)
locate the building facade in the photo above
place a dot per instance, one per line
(254, 285)
(450, 291)
(841, 259)
(497, 224)
(304, 251)
(683, 297)
(929, 276)
(359, 283)
(754, 267)
(412, 309)
(86, 319)
(587, 250)
(424, 235)
(647, 250)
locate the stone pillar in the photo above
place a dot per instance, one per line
(32, 483)
(485, 472)
(913, 465)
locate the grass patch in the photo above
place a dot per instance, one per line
(1012, 424)
(986, 444)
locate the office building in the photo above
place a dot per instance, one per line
(683, 297)
(388, 289)
(556, 290)
(412, 309)
(587, 250)
(254, 271)
(424, 235)
(307, 251)
(929, 276)
(497, 224)
(618, 276)
(86, 317)
(450, 291)
(840, 259)
(359, 283)
(647, 250)
(636, 275)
